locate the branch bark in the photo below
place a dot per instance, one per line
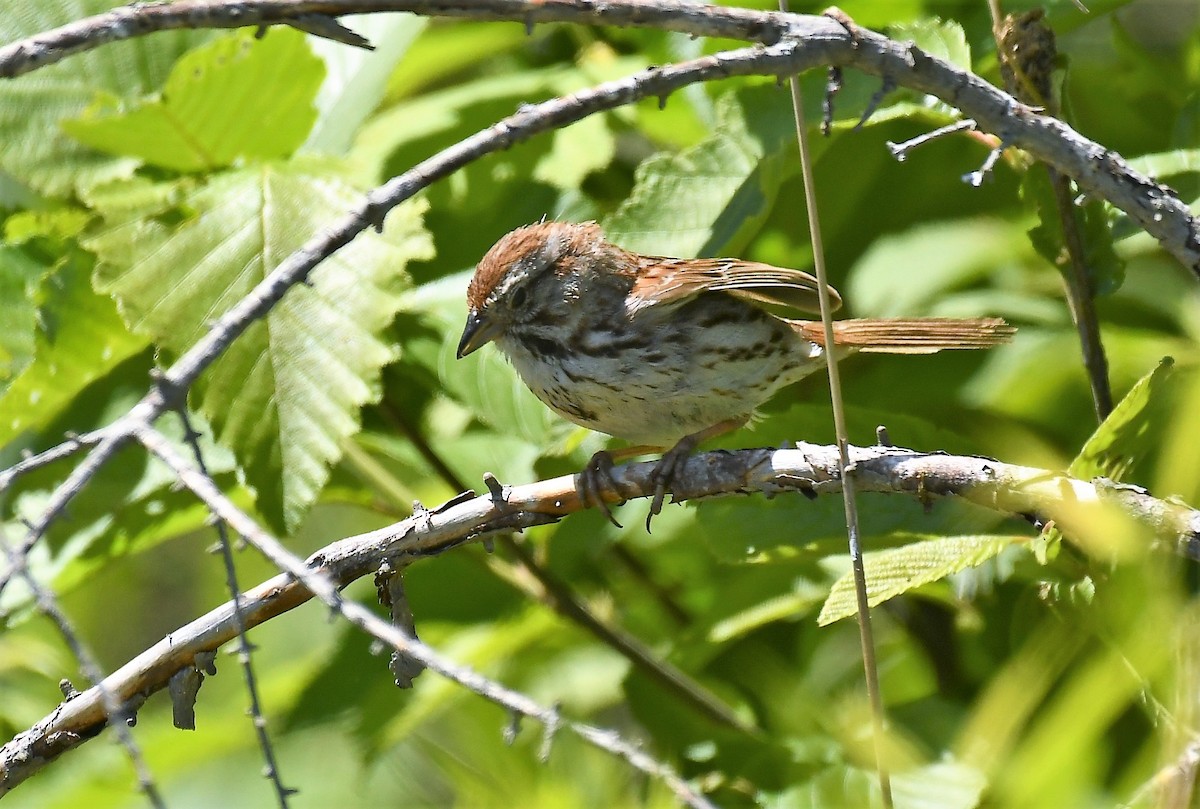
(1074, 505)
(798, 43)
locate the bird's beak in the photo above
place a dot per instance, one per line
(478, 332)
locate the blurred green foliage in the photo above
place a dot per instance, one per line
(146, 185)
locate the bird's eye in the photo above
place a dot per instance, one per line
(518, 297)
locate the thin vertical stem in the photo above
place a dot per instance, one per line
(866, 636)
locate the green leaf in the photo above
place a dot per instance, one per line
(356, 78)
(288, 391)
(55, 224)
(942, 785)
(713, 196)
(944, 39)
(444, 51)
(1093, 221)
(19, 275)
(80, 338)
(893, 572)
(237, 97)
(911, 273)
(36, 151)
(1167, 164)
(1122, 440)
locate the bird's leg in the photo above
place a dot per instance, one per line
(597, 476)
(664, 473)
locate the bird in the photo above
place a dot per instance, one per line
(663, 352)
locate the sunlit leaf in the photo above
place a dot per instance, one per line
(1167, 164)
(1124, 437)
(711, 197)
(80, 337)
(36, 150)
(286, 393)
(893, 572)
(911, 273)
(356, 79)
(200, 121)
(944, 39)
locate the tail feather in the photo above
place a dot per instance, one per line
(925, 335)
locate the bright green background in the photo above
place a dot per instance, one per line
(145, 186)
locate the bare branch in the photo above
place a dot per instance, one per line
(84, 716)
(801, 42)
(1039, 494)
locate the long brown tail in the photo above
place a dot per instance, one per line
(925, 335)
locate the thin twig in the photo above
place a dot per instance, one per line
(66, 449)
(866, 636)
(327, 589)
(270, 764)
(116, 713)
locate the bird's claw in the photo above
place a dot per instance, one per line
(596, 477)
(663, 475)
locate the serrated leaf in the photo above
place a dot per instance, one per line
(1122, 439)
(893, 572)
(288, 391)
(1094, 222)
(713, 196)
(80, 338)
(36, 151)
(239, 96)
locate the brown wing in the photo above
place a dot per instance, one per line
(674, 280)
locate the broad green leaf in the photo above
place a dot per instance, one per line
(942, 785)
(36, 151)
(288, 391)
(1094, 222)
(1124, 438)
(80, 338)
(894, 572)
(19, 275)
(711, 197)
(239, 96)
(356, 79)
(944, 39)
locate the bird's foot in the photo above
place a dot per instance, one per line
(594, 479)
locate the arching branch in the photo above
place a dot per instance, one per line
(798, 42)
